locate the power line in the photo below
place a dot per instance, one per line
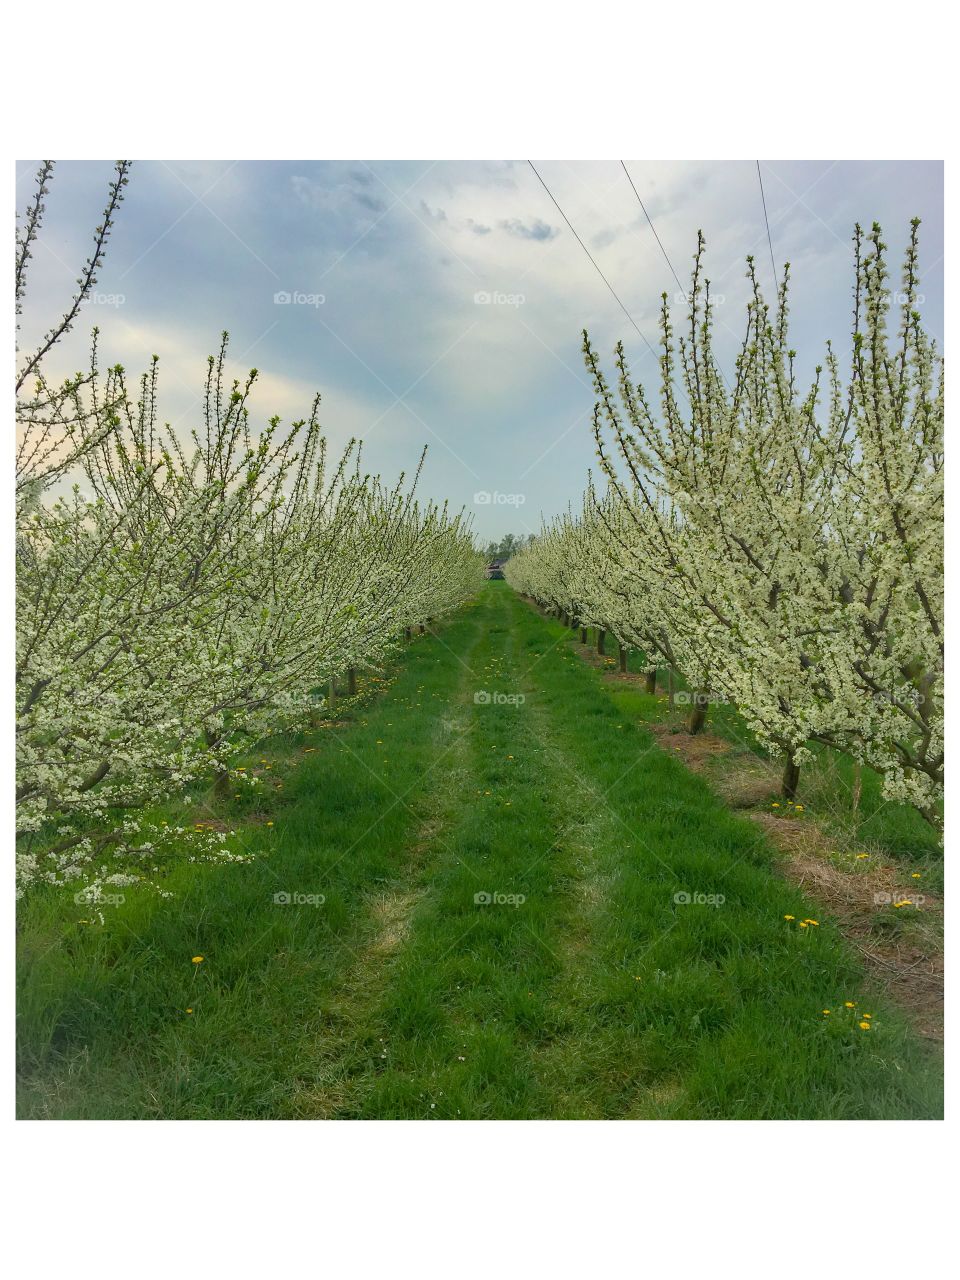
(592, 259)
(653, 228)
(767, 221)
(683, 292)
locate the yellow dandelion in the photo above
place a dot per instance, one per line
(188, 1011)
(866, 1015)
(197, 960)
(789, 917)
(269, 824)
(825, 1012)
(864, 1026)
(802, 924)
(799, 808)
(863, 855)
(816, 923)
(848, 1004)
(915, 875)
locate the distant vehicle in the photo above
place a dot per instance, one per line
(495, 568)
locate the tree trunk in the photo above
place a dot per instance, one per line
(857, 784)
(651, 684)
(623, 659)
(601, 636)
(221, 788)
(791, 778)
(352, 681)
(332, 696)
(583, 635)
(698, 712)
(670, 689)
(423, 629)
(406, 633)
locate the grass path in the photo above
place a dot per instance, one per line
(500, 935)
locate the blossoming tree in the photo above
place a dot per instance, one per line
(781, 547)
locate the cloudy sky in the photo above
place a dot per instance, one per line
(441, 304)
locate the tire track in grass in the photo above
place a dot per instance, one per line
(575, 1066)
(473, 985)
(354, 1047)
(358, 959)
(596, 1066)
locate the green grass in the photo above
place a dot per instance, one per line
(826, 785)
(402, 996)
